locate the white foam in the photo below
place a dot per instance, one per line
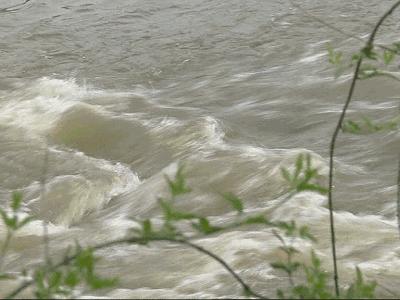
(37, 107)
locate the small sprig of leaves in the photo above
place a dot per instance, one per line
(56, 283)
(301, 179)
(315, 285)
(377, 59)
(336, 58)
(12, 218)
(367, 126)
(361, 289)
(172, 216)
(178, 185)
(290, 266)
(13, 221)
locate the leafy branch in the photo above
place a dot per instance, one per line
(367, 51)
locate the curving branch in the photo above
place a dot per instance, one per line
(332, 147)
(68, 259)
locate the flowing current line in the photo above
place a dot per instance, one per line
(14, 7)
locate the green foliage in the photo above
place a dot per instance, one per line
(367, 126)
(56, 283)
(369, 52)
(172, 214)
(377, 58)
(178, 185)
(256, 219)
(235, 202)
(315, 284)
(336, 59)
(361, 289)
(12, 219)
(204, 226)
(303, 177)
(388, 56)
(77, 272)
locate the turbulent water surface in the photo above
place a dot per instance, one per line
(120, 92)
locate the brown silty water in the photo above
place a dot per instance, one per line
(121, 92)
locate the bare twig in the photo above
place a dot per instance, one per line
(332, 147)
(46, 241)
(4, 247)
(288, 256)
(69, 259)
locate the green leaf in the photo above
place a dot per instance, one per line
(286, 175)
(309, 174)
(235, 201)
(304, 233)
(334, 57)
(289, 250)
(289, 228)
(316, 262)
(85, 260)
(55, 280)
(11, 222)
(4, 216)
(369, 52)
(286, 267)
(72, 278)
(361, 289)
(388, 56)
(172, 214)
(351, 127)
(96, 282)
(303, 292)
(246, 292)
(279, 265)
(299, 166)
(178, 185)
(303, 186)
(258, 219)
(355, 57)
(16, 201)
(205, 227)
(280, 294)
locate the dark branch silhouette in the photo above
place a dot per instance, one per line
(68, 259)
(369, 45)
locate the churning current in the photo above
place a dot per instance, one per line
(121, 92)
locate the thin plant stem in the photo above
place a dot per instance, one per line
(332, 146)
(4, 248)
(69, 259)
(289, 256)
(46, 240)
